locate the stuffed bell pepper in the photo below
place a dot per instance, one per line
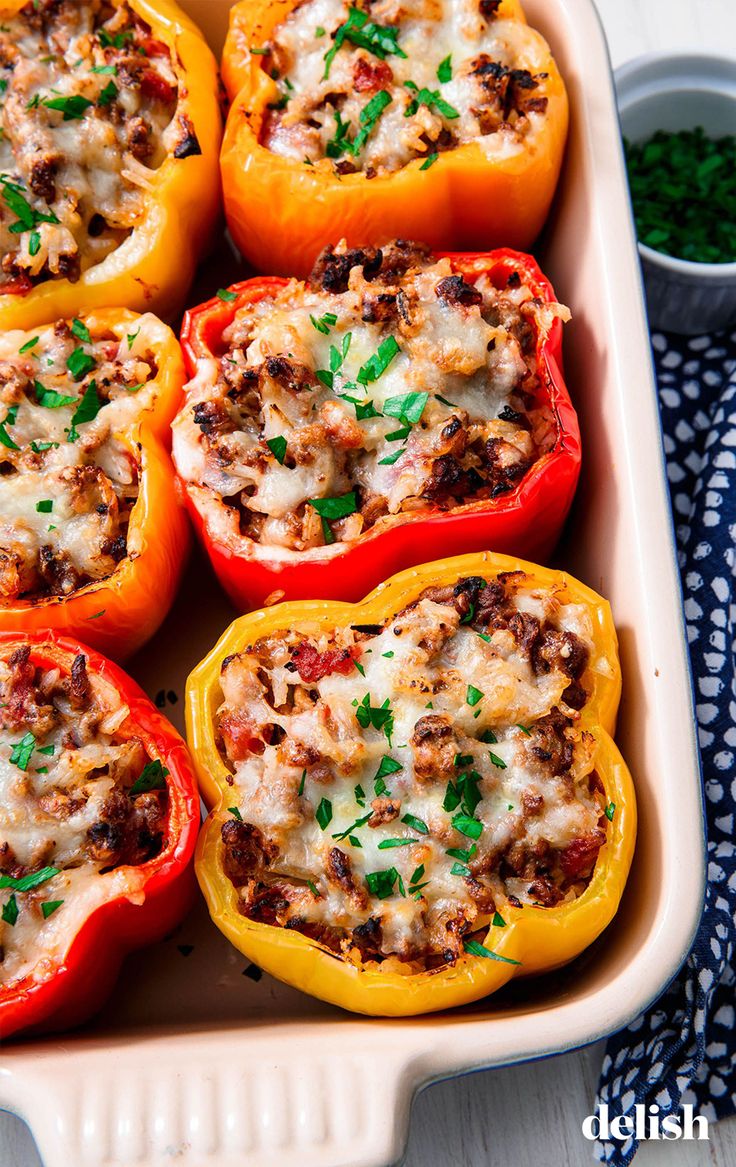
(109, 135)
(98, 823)
(442, 120)
(397, 405)
(92, 536)
(416, 798)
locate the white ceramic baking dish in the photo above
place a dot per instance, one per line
(196, 1062)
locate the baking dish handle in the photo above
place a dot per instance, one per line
(247, 1106)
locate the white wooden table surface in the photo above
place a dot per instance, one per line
(531, 1115)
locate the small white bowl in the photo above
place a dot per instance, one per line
(663, 92)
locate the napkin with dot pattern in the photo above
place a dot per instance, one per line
(683, 1050)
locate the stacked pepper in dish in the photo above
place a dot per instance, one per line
(442, 120)
(108, 157)
(92, 538)
(395, 405)
(98, 823)
(416, 798)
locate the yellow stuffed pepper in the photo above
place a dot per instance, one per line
(415, 798)
(108, 157)
(418, 127)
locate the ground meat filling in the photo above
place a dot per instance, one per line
(88, 99)
(80, 799)
(371, 86)
(392, 798)
(67, 483)
(388, 386)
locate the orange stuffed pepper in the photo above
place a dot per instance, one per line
(413, 123)
(92, 538)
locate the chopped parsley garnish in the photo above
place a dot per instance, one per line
(452, 798)
(393, 457)
(24, 348)
(29, 882)
(49, 907)
(468, 826)
(20, 756)
(227, 296)
(389, 655)
(474, 948)
(10, 911)
(233, 810)
(330, 509)
(489, 737)
(379, 716)
(152, 777)
(105, 70)
(17, 202)
(525, 729)
(387, 844)
(408, 408)
(323, 814)
(277, 446)
(459, 869)
(337, 357)
(34, 243)
(416, 824)
(376, 366)
(260, 52)
(49, 751)
(461, 760)
(80, 363)
(353, 827)
(87, 410)
(498, 921)
(369, 115)
(444, 69)
(497, 761)
(380, 40)
(50, 399)
(609, 811)
(464, 855)
(41, 447)
(108, 95)
(302, 781)
(131, 337)
(324, 323)
(381, 883)
(474, 695)
(80, 330)
(359, 794)
(417, 875)
(363, 409)
(388, 765)
(9, 419)
(429, 161)
(72, 107)
(45, 506)
(432, 99)
(313, 889)
(116, 40)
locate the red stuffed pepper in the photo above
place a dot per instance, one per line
(98, 821)
(396, 406)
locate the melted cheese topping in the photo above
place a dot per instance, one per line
(400, 785)
(397, 388)
(372, 86)
(86, 113)
(67, 815)
(67, 483)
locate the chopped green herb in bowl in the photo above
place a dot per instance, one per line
(683, 190)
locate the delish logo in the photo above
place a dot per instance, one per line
(645, 1123)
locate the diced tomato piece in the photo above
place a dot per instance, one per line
(578, 858)
(156, 87)
(313, 665)
(370, 76)
(240, 736)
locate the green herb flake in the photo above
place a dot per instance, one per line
(324, 323)
(452, 798)
(459, 869)
(359, 794)
(49, 907)
(468, 826)
(152, 777)
(45, 506)
(29, 882)
(10, 911)
(80, 330)
(387, 844)
(72, 108)
(302, 781)
(498, 920)
(50, 399)
(473, 695)
(323, 813)
(88, 407)
(49, 751)
(24, 348)
(34, 243)
(474, 948)
(20, 756)
(380, 40)
(105, 70)
(416, 824)
(429, 161)
(610, 810)
(497, 761)
(277, 446)
(381, 883)
(313, 890)
(444, 69)
(227, 296)
(525, 730)
(233, 810)
(463, 854)
(80, 363)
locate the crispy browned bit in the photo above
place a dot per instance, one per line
(435, 746)
(531, 803)
(138, 137)
(489, 8)
(290, 374)
(454, 290)
(379, 309)
(212, 418)
(246, 851)
(368, 937)
(188, 143)
(544, 892)
(548, 743)
(79, 690)
(385, 810)
(42, 177)
(340, 872)
(560, 650)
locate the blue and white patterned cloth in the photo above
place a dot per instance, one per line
(683, 1050)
